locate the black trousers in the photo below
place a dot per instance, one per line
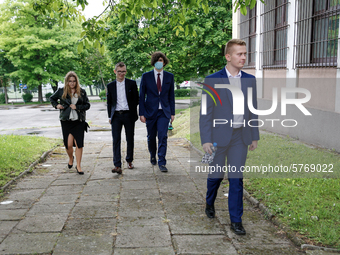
(117, 122)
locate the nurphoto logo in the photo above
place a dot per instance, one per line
(238, 104)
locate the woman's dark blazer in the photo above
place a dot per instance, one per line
(82, 104)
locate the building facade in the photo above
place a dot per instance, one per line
(295, 45)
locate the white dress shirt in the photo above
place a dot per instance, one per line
(238, 120)
(122, 104)
(156, 77)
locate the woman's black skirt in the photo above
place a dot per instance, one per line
(75, 128)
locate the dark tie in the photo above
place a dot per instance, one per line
(159, 85)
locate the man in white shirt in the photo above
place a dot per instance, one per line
(122, 101)
(233, 137)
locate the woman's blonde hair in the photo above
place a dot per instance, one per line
(67, 89)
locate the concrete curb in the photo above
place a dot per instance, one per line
(29, 169)
(271, 217)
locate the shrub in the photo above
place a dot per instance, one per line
(193, 92)
(47, 96)
(102, 94)
(27, 97)
(2, 98)
(182, 92)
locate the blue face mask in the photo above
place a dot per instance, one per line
(159, 65)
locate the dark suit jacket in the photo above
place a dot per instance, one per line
(132, 97)
(82, 104)
(148, 106)
(221, 133)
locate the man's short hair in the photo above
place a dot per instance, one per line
(231, 43)
(156, 55)
(119, 64)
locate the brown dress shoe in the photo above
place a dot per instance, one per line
(117, 170)
(130, 165)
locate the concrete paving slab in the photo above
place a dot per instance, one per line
(139, 194)
(81, 180)
(190, 225)
(52, 208)
(204, 244)
(184, 209)
(264, 234)
(28, 243)
(63, 190)
(272, 249)
(146, 184)
(174, 198)
(35, 183)
(15, 214)
(100, 198)
(69, 198)
(89, 226)
(84, 245)
(96, 187)
(127, 217)
(104, 174)
(145, 251)
(95, 210)
(143, 236)
(143, 205)
(138, 177)
(42, 223)
(18, 204)
(5, 228)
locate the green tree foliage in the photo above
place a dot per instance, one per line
(6, 67)
(95, 68)
(36, 44)
(97, 32)
(190, 56)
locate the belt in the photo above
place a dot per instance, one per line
(122, 111)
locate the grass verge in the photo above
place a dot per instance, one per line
(18, 152)
(309, 206)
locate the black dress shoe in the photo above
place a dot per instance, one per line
(210, 211)
(79, 171)
(237, 228)
(153, 161)
(70, 166)
(163, 168)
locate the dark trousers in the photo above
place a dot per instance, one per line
(158, 127)
(117, 122)
(236, 154)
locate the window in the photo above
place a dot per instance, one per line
(274, 34)
(317, 30)
(248, 34)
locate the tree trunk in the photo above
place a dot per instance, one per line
(91, 90)
(6, 97)
(55, 87)
(101, 75)
(40, 96)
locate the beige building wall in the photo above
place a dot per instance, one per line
(321, 83)
(250, 71)
(273, 79)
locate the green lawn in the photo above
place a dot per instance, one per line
(309, 203)
(18, 152)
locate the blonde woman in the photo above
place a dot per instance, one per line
(72, 102)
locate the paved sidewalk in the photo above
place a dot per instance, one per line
(143, 211)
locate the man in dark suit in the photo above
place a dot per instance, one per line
(233, 133)
(122, 101)
(157, 107)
